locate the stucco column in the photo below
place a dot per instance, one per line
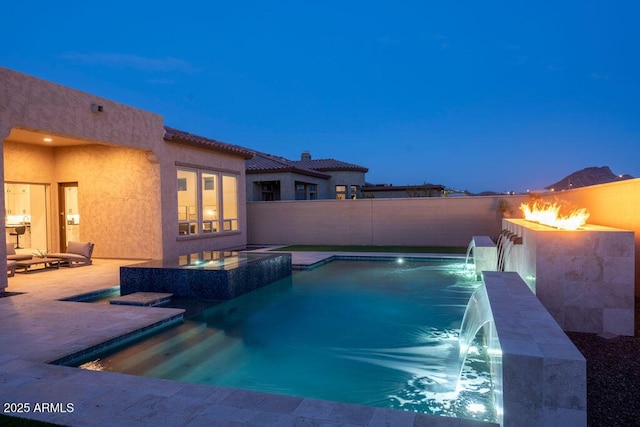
(156, 240)
(5, 129)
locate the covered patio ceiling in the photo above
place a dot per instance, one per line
(38, 137)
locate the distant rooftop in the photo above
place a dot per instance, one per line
(263, 162)
(329, 165)
(186, 138)
(326, 164)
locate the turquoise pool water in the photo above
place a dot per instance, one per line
(370, 332)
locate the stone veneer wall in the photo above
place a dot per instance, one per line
(541, 375)
(613, 205)
(585, 278)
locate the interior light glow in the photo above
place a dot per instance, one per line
(47, 139)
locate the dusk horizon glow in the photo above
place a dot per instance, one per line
(477, 97)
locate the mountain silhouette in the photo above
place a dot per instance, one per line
(587, 176)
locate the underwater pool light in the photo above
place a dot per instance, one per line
(476, 408)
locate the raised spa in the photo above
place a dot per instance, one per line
(218, 275)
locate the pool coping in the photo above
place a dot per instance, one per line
(84, 297)
(106, 398)
(540, 372)
(307, 260)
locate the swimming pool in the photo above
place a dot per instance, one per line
(380, 333)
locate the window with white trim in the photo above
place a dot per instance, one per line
(207, 201)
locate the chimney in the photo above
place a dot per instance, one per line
(305, 156)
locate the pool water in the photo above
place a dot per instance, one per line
(380, 333)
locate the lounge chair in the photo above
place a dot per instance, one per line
(13, 256)
(78, 253)
(11, 267)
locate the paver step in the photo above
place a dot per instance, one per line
(143, 299)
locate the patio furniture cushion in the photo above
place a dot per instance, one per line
(80, 248)
(78, 253)
(11, 254)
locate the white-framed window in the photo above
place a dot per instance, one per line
(341, 192)
(207, 201)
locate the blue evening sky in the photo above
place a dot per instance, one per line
(497, 95)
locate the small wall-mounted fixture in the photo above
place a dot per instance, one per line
(95, 108)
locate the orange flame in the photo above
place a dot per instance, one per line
(549, 214)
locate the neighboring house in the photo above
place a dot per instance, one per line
(271, 177)
(83, 168)
(387, 191)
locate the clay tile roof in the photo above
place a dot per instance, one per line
(262, 162)
(181, 137)
(329, 165)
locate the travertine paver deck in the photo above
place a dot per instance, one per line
(36, 328)
(38, 331)
(67, 282)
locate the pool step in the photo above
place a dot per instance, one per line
(212, 344)
(169, 350)
(142, 299)
(155, 349)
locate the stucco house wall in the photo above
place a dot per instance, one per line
(36, 105)
(287, 184)
(125, 169)
(347, 178)
(117, 193)
(324, 173)
(326, 187)
(178, 155)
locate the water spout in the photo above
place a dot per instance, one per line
(472, 244)
(482, 249)
(476, 315)
(503, 238)
(506, 242)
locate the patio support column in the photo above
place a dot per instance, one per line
(4, 132)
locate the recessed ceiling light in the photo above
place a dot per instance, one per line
(48, 140)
